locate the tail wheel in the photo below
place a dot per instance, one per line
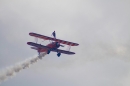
(58, 54)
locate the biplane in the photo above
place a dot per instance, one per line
(53, 46)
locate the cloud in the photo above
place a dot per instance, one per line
(100, 27)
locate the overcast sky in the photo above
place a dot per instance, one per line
(101, 27)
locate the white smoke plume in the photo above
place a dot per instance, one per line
(12, 70)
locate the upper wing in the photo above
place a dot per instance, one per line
(53, 39)
(37, 45)
(63, 51)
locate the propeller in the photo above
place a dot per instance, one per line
(58, 44)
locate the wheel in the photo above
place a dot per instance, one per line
(58, 54)
(48, 51)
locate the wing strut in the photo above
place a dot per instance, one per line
(42, 41)
(69, 47)
(36, 39)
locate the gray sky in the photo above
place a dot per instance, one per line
(100, 27)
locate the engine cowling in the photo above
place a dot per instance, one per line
(58, 45)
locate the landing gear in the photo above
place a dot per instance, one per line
(58, 54)
(48, 51)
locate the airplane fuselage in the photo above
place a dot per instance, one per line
(53, 45)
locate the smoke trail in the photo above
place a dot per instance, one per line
(12, 70)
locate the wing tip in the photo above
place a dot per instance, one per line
(31, 33)
(72, 53)
(77, 44)
(28, 43)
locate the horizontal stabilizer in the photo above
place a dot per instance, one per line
(35, 48)
(37, 45)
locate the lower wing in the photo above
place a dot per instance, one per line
(63, 51)
(48, 48)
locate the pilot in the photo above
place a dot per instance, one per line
(54, 34)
